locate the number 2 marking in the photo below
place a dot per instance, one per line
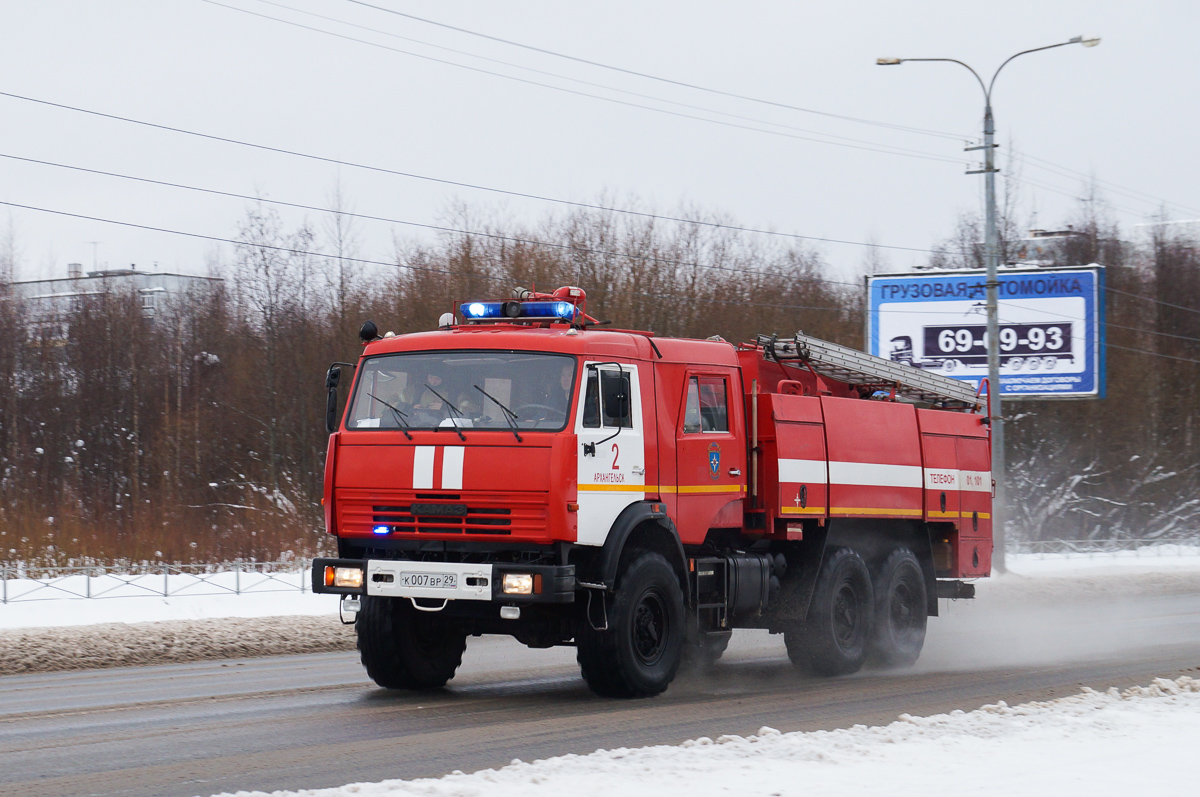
(616, 453)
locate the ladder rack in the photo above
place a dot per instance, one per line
(854, 367)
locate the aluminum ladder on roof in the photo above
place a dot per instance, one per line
(853, 367)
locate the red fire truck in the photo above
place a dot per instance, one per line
(523, 470)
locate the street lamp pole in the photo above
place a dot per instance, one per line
(991, 252)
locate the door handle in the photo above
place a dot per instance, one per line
(638, 471)
(735, 472)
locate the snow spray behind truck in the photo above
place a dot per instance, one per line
(525, 472)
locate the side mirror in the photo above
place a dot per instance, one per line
(331, 414)
(616, 395)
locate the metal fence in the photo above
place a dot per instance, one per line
(1159, 547)
(19, 584)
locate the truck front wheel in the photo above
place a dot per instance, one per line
(833, 639)
(403, 648)
(639, 652)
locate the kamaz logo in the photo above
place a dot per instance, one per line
(444, 510)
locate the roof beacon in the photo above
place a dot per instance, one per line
(567, 304)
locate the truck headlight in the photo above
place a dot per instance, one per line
(518, 584)
(349, 577)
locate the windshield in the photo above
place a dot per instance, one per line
(470, 389)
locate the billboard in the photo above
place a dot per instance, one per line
(1051, 327)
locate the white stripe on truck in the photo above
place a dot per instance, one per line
(977, 481)
(798, 471)
(873, 474)
(452, 467)
(423, 467)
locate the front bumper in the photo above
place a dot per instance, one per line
(401, 578)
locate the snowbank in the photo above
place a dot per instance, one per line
(1139, 741)
(121, 645)
(1151, 559)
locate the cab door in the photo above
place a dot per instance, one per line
(710, 458)
(609, 426)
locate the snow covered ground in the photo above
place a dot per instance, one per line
(1139, 741)
(32, 604)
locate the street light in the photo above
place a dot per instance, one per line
(991, 257)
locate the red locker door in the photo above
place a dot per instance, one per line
(802, 468)
(940, 453)
(874, 459)
(975, 510)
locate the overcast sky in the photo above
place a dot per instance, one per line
(1123, 113)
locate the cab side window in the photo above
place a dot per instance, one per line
(591, 401)
(691, 413)
(607, 400)
(706, 409)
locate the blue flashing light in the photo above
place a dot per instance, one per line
(548, 310)
(476, 311)
(381, 530)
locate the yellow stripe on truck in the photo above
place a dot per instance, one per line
(661, 488)
(859, 510)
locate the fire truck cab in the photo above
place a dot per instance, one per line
(523, 471)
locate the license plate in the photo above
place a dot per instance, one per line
(429, 580)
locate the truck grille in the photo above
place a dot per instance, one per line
(445, 514)
(443, 518)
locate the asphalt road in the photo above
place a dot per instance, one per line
(293, 722)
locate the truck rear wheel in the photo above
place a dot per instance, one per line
(639, 653)
(403, 648)
(833, 640)
(901, 612)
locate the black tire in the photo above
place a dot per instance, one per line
(901, 611)
(403, 648)
(834, 638)
(640, 652)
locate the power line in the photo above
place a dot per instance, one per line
(292, 250)
(1040, 162)
(494, 236)
(869, 145)
(219, 239)
(1131, 193)
(456, 183)
(670, 81)
(886, 149)
(385, 219)
(1152, 332)
(1151, 299)
(899, 150)
(1152, 353)
(1071, 194)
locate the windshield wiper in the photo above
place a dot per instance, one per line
(400, 416)
(510, 417)
(454, 411)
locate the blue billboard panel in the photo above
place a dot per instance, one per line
(1051, 327)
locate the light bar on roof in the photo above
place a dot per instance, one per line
(480, 311)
